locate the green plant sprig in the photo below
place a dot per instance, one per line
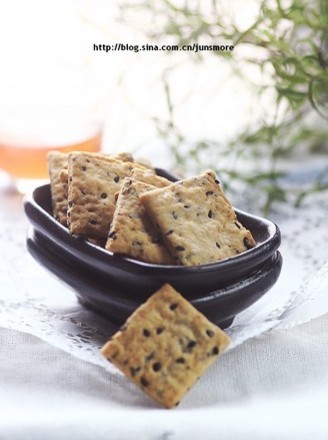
(294, 44)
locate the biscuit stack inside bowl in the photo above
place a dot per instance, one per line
(124, 230)
(131, 211)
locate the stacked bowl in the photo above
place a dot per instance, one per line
(115, 286)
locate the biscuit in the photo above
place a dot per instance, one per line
(197, 221)
(124, 157)
(165, 346)
(93, 180)
(132, 232)
(150, 176)
(56, 162)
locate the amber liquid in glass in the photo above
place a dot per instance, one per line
(31, 162)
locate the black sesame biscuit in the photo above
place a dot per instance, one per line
(93, 180)
(56, 162)
(58, 171)
(150, 176)
(124, 157)
(132, 233)
(197, 221)
(165, 346)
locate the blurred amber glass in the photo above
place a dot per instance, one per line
(30, 162)
(34, 120)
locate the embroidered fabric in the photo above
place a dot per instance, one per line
(33, 301)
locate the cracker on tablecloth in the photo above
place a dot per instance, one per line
(197, 221)
(165, 346)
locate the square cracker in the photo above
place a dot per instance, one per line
(58, 171)
(56, 162)
(124, 157)
(150, 176)
(132, 232)
(165, 346)
(197, 221)
(93, 180)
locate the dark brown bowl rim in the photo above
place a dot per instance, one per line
(49, 226)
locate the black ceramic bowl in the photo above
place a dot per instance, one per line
(115, 285)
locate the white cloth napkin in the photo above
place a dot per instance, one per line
(271, 387)
(34, 302)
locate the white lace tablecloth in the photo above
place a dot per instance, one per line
(35, 304)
